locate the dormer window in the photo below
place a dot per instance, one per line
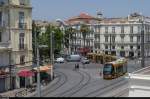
(22, 2)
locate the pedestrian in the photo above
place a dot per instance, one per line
(78, 66)
(75, 67)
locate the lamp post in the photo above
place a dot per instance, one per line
(38, 71)
(142, 42)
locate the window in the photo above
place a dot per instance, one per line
(106, 46)
(113, 30)
(113, 39)
(122, 47)
(131, 47)
(21, 41)
(138, 38)
(139, 29)
(22, 60)
(106, 29)
(138, 47)
(131, 29)
(122, 38)
(22, 2)
(21, 20)
(122, 29)
(0, 36)
(131, 38)
(106, 38)
(113, 47)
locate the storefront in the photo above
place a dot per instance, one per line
(25, 76)
(44, 73)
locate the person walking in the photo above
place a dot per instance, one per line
(78, 66)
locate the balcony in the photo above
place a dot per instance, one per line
(5, 46)
(23, 47)
(22, 25)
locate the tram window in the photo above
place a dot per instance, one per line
(120, 69)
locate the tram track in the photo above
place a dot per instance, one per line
(85, 79)
(62, 79)
(103, 89)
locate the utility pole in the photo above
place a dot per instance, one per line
(38, 74)
(69, 45)
(142, 43)
(51, 53)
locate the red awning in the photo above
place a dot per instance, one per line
(25, 73)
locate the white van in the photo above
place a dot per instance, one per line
(73, 58)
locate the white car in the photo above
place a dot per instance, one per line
(85, 61)
(60, 60)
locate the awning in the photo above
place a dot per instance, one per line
(43, 68)
(25, 73)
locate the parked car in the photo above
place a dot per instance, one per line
(85, 61)
(60, 60)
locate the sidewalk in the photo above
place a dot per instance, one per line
(11, 93)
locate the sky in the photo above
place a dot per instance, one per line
(49, 10)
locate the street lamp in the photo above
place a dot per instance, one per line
(142, 42)
(38, 71)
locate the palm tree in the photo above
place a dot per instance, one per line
(84, 30)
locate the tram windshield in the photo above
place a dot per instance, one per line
(107, 69)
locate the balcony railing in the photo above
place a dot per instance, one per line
(22, 25)
(23, 47)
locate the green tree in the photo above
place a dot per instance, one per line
(69, 32)
(45, 39)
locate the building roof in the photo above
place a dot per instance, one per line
(82, 16)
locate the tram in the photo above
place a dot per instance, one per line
(115, 69)
(100, 58)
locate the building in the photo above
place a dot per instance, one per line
(117, 36)
(139, 83)
(77, 42)
(15, 38)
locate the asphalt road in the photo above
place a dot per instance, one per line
(85, 82)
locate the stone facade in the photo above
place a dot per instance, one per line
(16, 35)
(117, 36)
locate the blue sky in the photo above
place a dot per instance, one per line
(63, 9)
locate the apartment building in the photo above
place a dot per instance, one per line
(118, 36)
(77, 42)
(122, 36)
(15, 39)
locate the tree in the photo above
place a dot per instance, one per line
(84, 30)
(45, 38)
(69, 32)
(35, 36)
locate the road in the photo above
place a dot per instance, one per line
(85, 82)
